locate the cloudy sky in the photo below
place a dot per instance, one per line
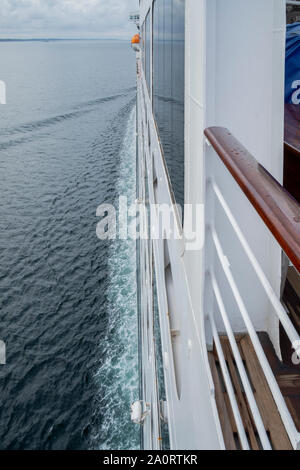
(66, 18)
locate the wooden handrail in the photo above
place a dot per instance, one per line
(278, 209)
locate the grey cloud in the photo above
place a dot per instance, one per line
(66, 18)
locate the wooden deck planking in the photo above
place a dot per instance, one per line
(268, 409)
(264, 398)
(228, 433)
(287, 377)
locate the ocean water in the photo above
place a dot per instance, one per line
(67, 300)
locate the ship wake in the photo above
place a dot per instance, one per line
(117, 377)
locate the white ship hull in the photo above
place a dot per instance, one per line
(234, 78)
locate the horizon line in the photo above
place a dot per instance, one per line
(59, 39)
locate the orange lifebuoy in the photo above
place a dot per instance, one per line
(135, 39)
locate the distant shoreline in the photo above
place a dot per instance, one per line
(58, 39)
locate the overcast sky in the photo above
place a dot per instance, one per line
(66, 18)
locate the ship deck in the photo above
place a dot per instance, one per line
(288, 379)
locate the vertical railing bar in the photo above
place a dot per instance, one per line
(244, 378)
(281, 313)
(229, 387)
(274, 387)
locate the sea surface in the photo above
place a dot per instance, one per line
(67, 300)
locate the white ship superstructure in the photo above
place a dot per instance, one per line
(214, 332)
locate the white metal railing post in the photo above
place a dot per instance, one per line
(286, 417)
(229, 387)
(244, 378)
(278, 307)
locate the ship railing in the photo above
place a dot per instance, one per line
(281, 214)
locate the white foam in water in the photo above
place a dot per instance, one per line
(118, 376)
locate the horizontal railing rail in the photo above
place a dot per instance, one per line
(278, 209)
